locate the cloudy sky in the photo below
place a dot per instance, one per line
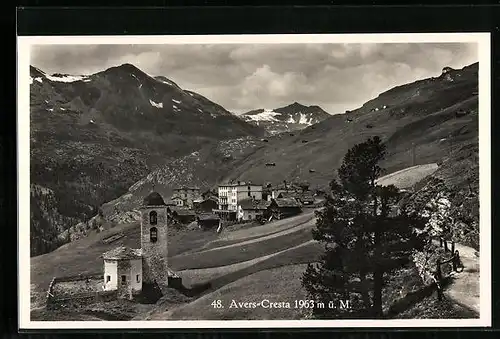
(243, 77)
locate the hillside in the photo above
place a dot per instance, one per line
(436, 115)
(286, 119)
(93, 136)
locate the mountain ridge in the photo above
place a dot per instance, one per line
(93, 136)
(288, 118)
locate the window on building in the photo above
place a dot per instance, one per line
(153, 218)
(153, 234)
(124, 279)
(137, 278)
(108, 278)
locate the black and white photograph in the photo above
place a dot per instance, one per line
(254, 181)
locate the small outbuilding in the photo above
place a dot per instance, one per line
(208, 221)
(181, 215)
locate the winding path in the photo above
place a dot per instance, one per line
(464, 289)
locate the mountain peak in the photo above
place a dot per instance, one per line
(296, 105)
(128, 68)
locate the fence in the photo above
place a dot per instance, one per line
(454, 260)
(440, 280)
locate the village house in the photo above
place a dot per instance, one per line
(231, 194)
(180, 215)
(209, 194)
(250, 209)
(306, 198)
(178, 201)
(187, 195)
(284, 208)
(288, 194)
(206, 205)
(208, 221)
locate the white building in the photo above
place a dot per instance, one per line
(231, 194)
(123, 270)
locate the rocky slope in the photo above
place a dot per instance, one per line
(285, 119)
(94, 136)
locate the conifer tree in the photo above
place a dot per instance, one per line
(365, 235)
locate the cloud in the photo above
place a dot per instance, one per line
(242, 77)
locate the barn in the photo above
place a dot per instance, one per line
(208, 221)
(181, 215)
(205, 206)
(281, 208)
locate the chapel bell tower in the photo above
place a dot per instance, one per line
(154, 242)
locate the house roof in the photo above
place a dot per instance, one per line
(186, 188)
(169, 202)
(214, 199)
(204, 217)
(123, 253)
(153, 199)
(182, 211)
(289, 194)
(306, 197)
(250, 204)
(287, 202)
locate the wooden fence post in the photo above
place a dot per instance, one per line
(445, 246)
(454, 261)
(439, 279)
(440, 242)
(453, 247)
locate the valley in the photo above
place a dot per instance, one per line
(100, 143)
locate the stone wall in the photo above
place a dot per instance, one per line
(81, 300)
(77, 291)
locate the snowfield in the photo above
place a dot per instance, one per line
(267, 115)
(67, 78)
(303, 120)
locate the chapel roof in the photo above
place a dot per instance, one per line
(123, 253)
(153, 199)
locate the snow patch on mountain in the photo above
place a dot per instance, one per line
(304, 121)
(266, 115)
(155, 104)
(39, 79)
(165, 82)
(66, 78)
(177, 102)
